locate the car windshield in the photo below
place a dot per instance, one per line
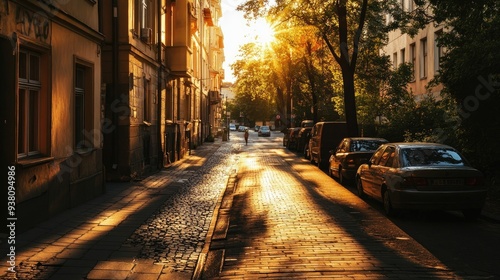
(365, 145)
(264, 128)
(431, 157)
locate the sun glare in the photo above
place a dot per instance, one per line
(263, 32)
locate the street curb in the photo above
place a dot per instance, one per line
(211, 263)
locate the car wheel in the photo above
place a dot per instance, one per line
(389, 210)
(359, 187)
(471, 214)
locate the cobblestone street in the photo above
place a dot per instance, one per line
(185, 216)
(154, 228)
(231, 211)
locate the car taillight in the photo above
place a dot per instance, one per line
(474, 181)
(414, 181)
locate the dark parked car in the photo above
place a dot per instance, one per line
(424, 176)
(350, 154)
(303, 139)
(286, 136)
(292, 138)
(325, 136)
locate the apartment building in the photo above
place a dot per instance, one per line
(157, 61)
(50, 106)
(421, 50)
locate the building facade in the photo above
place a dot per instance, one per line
(157, 61)
(421, 50)
(102, 90)
(51, 104)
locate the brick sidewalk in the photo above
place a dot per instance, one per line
(286, 219)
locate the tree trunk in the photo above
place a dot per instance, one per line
(350, 103)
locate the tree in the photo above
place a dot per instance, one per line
(253, 87)
(470, 74)
(340, 23)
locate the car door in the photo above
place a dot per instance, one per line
(368, 172)
(315, 141)
(339, 155)
(381, 169)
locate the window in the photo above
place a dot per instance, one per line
(29, 98)
(423, 58)
(142, 16)
(83, 106)
(411, 6)
(413, 59)
(402, 55)
(438, 52)
(395, 60)
(377, 155)
(147, 101)
(387, 158)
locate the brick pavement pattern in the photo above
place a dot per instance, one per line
(154, 228)
(281, 226)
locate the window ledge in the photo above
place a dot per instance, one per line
(27, 162)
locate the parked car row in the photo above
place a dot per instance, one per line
(414, 176)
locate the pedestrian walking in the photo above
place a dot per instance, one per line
(246, 136)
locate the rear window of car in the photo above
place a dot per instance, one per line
(365, 145)
(431, 157)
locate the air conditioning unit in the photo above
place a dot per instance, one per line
(146, 35)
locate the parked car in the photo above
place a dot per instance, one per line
(264, 131)
(242, 128)
(325, 136)
(256, 128)
(307, 123)
(232, 127)
(425, 176)
(303, 140)
(286, 136)
(292, 138)
(350, 154)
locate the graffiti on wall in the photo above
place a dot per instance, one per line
(17, 20)
(32, 24)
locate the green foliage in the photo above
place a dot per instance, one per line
(470, 74)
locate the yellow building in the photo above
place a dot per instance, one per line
(422, 51)
(50, 105)
(156, 71)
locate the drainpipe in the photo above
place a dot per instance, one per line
(115, 69)
(158, 96)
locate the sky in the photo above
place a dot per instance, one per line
(236, 33)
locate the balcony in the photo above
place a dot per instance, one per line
(215, 97)
(179, 60)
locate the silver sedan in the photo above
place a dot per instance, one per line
(424, 176)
